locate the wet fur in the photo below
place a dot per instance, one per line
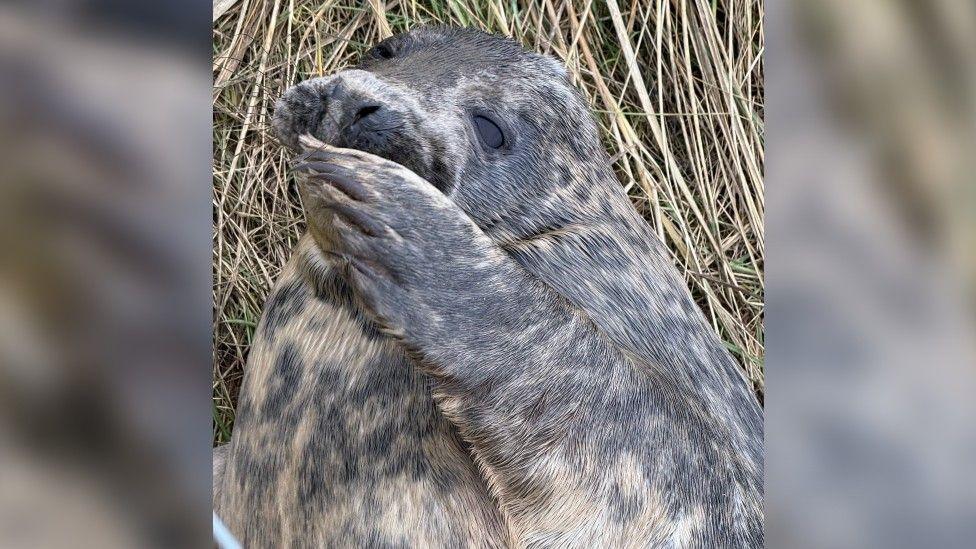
(600, 407)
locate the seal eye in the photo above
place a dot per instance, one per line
(489, 132)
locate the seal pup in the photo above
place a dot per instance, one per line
(485, 231)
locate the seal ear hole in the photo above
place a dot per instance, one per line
(489, 132)
(383, 50)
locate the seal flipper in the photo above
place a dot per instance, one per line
(575, 434)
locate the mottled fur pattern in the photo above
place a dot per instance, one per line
(557, 336)
(337, 441)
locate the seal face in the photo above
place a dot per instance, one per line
(483, 120)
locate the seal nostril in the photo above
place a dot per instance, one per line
(365, 111)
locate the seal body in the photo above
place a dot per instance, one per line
(481, 231)
(338, 442)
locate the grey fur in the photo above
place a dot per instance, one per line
(337, 441)
(600, 407)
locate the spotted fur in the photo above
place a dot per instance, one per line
(337, 441)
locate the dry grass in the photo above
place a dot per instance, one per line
(677, 87)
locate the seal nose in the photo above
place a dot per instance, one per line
(352, 105)
(366, 109)
(345, 110)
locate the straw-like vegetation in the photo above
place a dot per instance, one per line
(677, 87)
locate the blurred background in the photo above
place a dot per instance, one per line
(870, 361)
(105, 274)
(123, 252)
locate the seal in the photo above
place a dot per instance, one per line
(466, 226)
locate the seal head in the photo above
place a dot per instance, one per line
(488, 123)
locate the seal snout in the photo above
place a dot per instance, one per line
(349, 109)
(357, 118)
